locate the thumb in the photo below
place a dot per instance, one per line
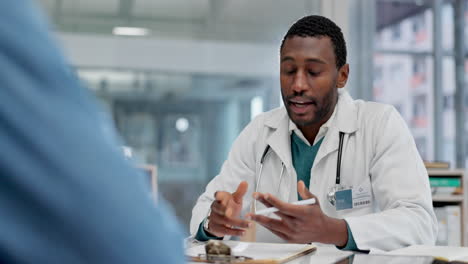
(303, 191)
(239, 193)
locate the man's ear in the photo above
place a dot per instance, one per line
(343, 73)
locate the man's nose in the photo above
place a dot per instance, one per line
(299, 83)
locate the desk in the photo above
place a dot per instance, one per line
(323, 255)
(329, 254)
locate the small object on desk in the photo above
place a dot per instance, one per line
(220, 259)
(218, 252)
(274, 209)
(215, 247)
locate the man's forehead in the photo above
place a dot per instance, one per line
(312, 41)
(317, 46)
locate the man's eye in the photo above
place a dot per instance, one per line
(289, 72)
(314, 73)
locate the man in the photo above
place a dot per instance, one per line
(356, 158)
(66, 195)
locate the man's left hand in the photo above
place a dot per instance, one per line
(301, 223)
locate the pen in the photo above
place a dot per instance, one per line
(274, 209)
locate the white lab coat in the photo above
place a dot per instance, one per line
(379, 154)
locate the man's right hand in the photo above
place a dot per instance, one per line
(225, 211)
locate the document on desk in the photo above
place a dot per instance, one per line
(444, 252)
(273, 253)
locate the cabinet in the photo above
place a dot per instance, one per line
(450, 201)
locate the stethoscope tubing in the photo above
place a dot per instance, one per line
(265, 152)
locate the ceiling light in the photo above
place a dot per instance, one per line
(130, 31)
(182, 124)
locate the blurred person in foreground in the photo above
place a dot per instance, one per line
(66, 195)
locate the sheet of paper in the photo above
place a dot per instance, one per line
(389, 259)
(450, 253)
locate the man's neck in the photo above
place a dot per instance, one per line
(311, 131)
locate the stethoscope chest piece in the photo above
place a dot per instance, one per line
(331, 196)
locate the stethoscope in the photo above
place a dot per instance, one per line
(262, 160)
(331, 195)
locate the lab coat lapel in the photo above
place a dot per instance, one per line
(329, 145)
(345, 121)
(280, 142)
(280, 139)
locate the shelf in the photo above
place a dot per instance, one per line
(444, 199)
(445, 173)
(447, 198)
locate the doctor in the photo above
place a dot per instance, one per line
(358, 159)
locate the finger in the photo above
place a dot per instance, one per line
(289, 222)
(272, 224)
(303, 191)
(236, 222)
(285, 208)
(222, 230)
(286, 218)
(240, 192)
(284, 235)
(229, 210)
(229, 222)
(218, 208)
(260, 197)
(223, 197)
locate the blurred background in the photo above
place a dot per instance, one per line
(181, 78)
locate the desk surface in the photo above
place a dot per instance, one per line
(329, 254)
(323, 255)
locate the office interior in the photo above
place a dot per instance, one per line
(181, 78)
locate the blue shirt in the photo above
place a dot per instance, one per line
(67, 195)
(303, 157)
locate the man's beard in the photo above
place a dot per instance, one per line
(323, 108)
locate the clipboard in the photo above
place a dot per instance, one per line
(255, 253)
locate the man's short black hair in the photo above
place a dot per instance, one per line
(319, 26)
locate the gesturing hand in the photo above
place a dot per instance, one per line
(301, 223)
(225, 211)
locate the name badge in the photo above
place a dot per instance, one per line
(361, 197)
(352, 198)
(344, 199)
